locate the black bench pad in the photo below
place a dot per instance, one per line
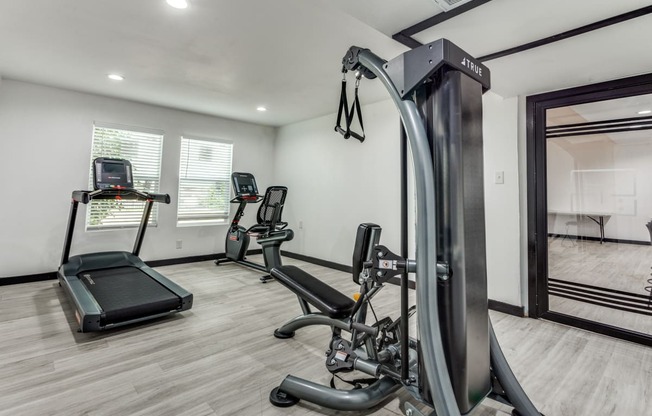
(317, 293)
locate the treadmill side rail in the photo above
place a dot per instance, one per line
(87, 311)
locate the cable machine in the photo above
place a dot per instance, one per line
(455, 361)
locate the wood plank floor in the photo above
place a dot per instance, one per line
(220, 358)
(616, 266)
(625, 267)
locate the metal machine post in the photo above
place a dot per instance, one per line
(143, 227)
(74, 205)
(451, 106)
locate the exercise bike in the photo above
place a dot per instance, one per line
(270, 232)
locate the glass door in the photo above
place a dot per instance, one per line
(599, 212)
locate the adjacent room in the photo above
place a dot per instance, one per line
(328, 207)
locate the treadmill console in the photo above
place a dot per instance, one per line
(109, 173)
(244, 184)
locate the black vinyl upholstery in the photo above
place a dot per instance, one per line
(367, 236)
(328, 300)
(317, 293)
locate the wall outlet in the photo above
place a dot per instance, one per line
(179, 244)
(499, 177)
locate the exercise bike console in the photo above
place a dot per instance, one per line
(244, 185)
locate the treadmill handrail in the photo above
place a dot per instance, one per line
(124, 193)
(127, 194)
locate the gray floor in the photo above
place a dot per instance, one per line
(611, 265)
(220, 358)
(625, 267)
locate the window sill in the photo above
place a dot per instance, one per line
(201, 223)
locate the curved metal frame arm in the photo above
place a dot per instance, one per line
(507, 379)
(432, 350)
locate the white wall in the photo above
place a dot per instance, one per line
(335, 184)
(523, 203)
(559, 166)
(45, 144)
(638, 158)
(620, 186)
(502, 212)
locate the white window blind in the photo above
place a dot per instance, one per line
(204, 181)
(143, 149)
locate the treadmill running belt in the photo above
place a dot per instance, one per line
(126, 293)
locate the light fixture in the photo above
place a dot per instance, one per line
(261, 108)
(645, 112)
(116, 77)
(178, 4)
(447, 5)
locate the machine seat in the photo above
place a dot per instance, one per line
(317, 293)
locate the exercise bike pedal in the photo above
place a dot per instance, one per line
(281, 399)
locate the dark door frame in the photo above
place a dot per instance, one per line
(537, 195)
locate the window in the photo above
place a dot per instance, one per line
(143, 149)
(204, 181)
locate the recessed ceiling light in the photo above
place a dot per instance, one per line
(116, 77)
(261, 108)
(178, 4)
(645, 112)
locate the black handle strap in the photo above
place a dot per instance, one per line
(344, 105)
(355, 108)
(349, 113)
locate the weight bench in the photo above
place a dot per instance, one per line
(335, 308)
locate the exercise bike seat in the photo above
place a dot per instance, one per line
(270, 210)
(269, 213)
(328, 300)
(257, 229)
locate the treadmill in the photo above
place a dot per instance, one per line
(116, 288)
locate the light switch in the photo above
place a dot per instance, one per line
(499, 177)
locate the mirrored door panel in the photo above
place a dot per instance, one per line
(599, 211)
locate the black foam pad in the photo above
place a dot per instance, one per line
(367, 236)
(317, 293)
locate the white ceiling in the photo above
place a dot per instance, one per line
(614, 109)
(617, 108)
(226, 57)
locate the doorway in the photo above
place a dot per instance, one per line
(590, 207)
